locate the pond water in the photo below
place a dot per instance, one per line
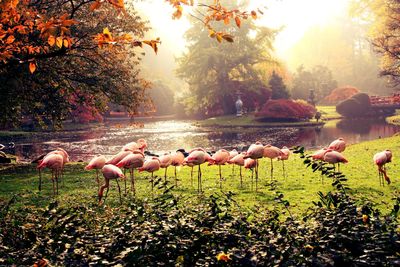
(170, 135)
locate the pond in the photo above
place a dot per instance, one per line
(170, 135)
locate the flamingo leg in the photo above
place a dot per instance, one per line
(241, 178)
(256, 175)
(252, 176)
(119, 190)
(176, 178)
(52, 179)
(40, 180)
(233, 170)
(97, 179)
(165, 174)
(106, 185)
(133, 181)
(56, 176)
(62, 176)
(272, 171)
(125, 179)
(283, 169)
(152, 181)
(220, 177)
(199, 180)
(338, 167)
(191, 176)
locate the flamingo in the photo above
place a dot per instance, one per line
(272, 152)
(54, 162)
(197, 157)
(238, 160)
(63, 154)
(319, 154)
(177, 160)
(338, 145)
(110, 172)
(140, 145)
(96, 163)
(232, 154)
(380, 159)
(284, 156)
(165, 161)
(333, 157)
(119, 156)
(255, 151)
(132, 161)
(251, 164)
(151, 165)
(220, 158)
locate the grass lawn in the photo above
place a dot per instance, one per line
(300, 186)
(328, 112)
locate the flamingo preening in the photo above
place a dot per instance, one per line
(151, 165)
(232, 154)
(251, 164)
(238, 160)
(55, 163)
(65, 157)
(283, 157)
(141, 145)
(380, 159)
(177, 160)
(165, 162)
(96, 163)
(110, 172)
(255, 152)
(333, 157)
(132, 161)
(338, 145)
(220, 158)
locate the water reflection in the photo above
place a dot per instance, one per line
(170, 135)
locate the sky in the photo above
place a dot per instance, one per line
(296, 16)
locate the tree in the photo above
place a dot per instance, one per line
(277, 87)
(383, 19)
(319, 79)
(216, 72)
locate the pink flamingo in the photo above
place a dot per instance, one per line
(220, 158)
(333, 157)
(319, 154)
(255, 151)
(284, 156)
(165, 161)
(251, 164)
(65, 156)
(232, 154)
(132, 161)
(177, 160)
(96, 163)
(197, 157)
(238, 160)
(140, 145)
(380, 159)
(151, 165)
(119, 156)
(54, 162)
(338, 145)
(110, 172)
(272, 152)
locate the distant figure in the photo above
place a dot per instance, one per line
(239, 107)
(317, 116)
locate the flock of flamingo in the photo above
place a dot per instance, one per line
(132, 157)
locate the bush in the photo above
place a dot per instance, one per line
(356, 106)
(286, 110)
(339, 94)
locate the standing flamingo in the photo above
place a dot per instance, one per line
(64, 155)
(197, 157)
(177, 160)
(54, 162)
(319, 154)
(333, 157)
(151, 165)
(255, 151)
(132, 161)
(251, 164)
(119, 156)
(141, 145)
(284, 156)
(220, 158)
(96, 163)
(165, 161)
(380, 159)
(110, 172)
(238, 160)
(232, 154)
(338, 145)
(272, 152)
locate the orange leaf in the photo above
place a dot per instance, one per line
(32, 67)
(254, 14)
(95, 5)
(238, 21)
(59, 41)
(226, 20)
(66, 43)
(10, 39)
(51, 40)
(219, 38)
(228, 37)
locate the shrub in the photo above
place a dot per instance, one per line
(356, 106)
(339, 94)
(286, 110)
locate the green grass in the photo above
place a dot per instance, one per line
(299, 188)
(249, 121)
(395, 119)
(328, 112)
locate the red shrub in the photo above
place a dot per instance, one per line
(84, 109)
(286, 110)
(339, 94)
